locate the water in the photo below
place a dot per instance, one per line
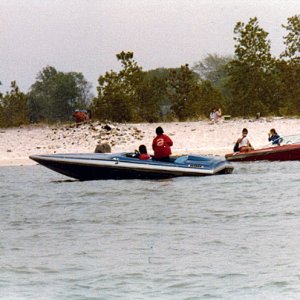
(221, 237)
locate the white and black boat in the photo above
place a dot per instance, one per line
(93, 166)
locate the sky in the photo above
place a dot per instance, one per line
(85, 35)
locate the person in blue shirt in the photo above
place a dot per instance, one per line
(274, 137)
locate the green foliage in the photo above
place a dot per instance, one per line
(133, 95)
(183, 92)
(55, 95)
(152, 97)
(288, 70)
(190, 97)
(130, 95)
(250, 85)
(118, 93)
(212, 68)
(252, 46)
(292, 39)
(209, 97)
(251, 81)
(288, 88)
(254, 81)
(13, 107)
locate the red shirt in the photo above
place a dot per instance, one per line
(162, 146)
(144, 156)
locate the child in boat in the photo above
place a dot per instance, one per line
(274, 137)
(143, 153)
(243, 142)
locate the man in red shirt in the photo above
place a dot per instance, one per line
(161, 145)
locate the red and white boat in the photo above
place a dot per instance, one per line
(289, 149)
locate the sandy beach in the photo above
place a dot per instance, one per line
(199, 137)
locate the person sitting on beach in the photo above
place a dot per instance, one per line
(161, 145)
(143, 155)
(243, 142)
(274, 137)
(218, 115)
(212, 115)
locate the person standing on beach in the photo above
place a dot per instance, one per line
(161, 145)
(243, 142)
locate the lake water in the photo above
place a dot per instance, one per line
(222, 237)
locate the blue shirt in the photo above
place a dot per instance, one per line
(275, 139)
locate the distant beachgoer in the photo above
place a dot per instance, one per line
(274, 137)
(212, 115)
(243, 143)
(218, 115)
(80, 115)
(161, 145)
(143, 155)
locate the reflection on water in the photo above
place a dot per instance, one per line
(228, 236)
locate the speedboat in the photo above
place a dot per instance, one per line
(289, 149)
(93, 166)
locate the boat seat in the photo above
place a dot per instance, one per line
(132, 155)
(181, 159)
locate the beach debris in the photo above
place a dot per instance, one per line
(72, 138)
(103, 148)
(107, 127)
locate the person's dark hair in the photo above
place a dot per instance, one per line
(159, 130)
(273, 131)
(142, 149)
(245, 130)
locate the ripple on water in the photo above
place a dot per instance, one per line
(230, 237)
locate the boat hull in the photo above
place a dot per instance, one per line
(278, 153)
(95, 167)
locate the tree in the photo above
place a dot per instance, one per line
(153, 96)
(292, 39)
(183, 90)
(209, 97)
(212, 68)
(250, 81)
(13, 107)
(190, 97)
(55, 95)
(288, 69)
(252, 46)
(119, 93)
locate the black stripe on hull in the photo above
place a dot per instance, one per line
(92, 172)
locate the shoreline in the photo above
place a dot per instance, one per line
(17, 162)
(197, 137)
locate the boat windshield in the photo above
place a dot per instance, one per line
(287, 140)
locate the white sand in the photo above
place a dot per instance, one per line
(189, 137)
